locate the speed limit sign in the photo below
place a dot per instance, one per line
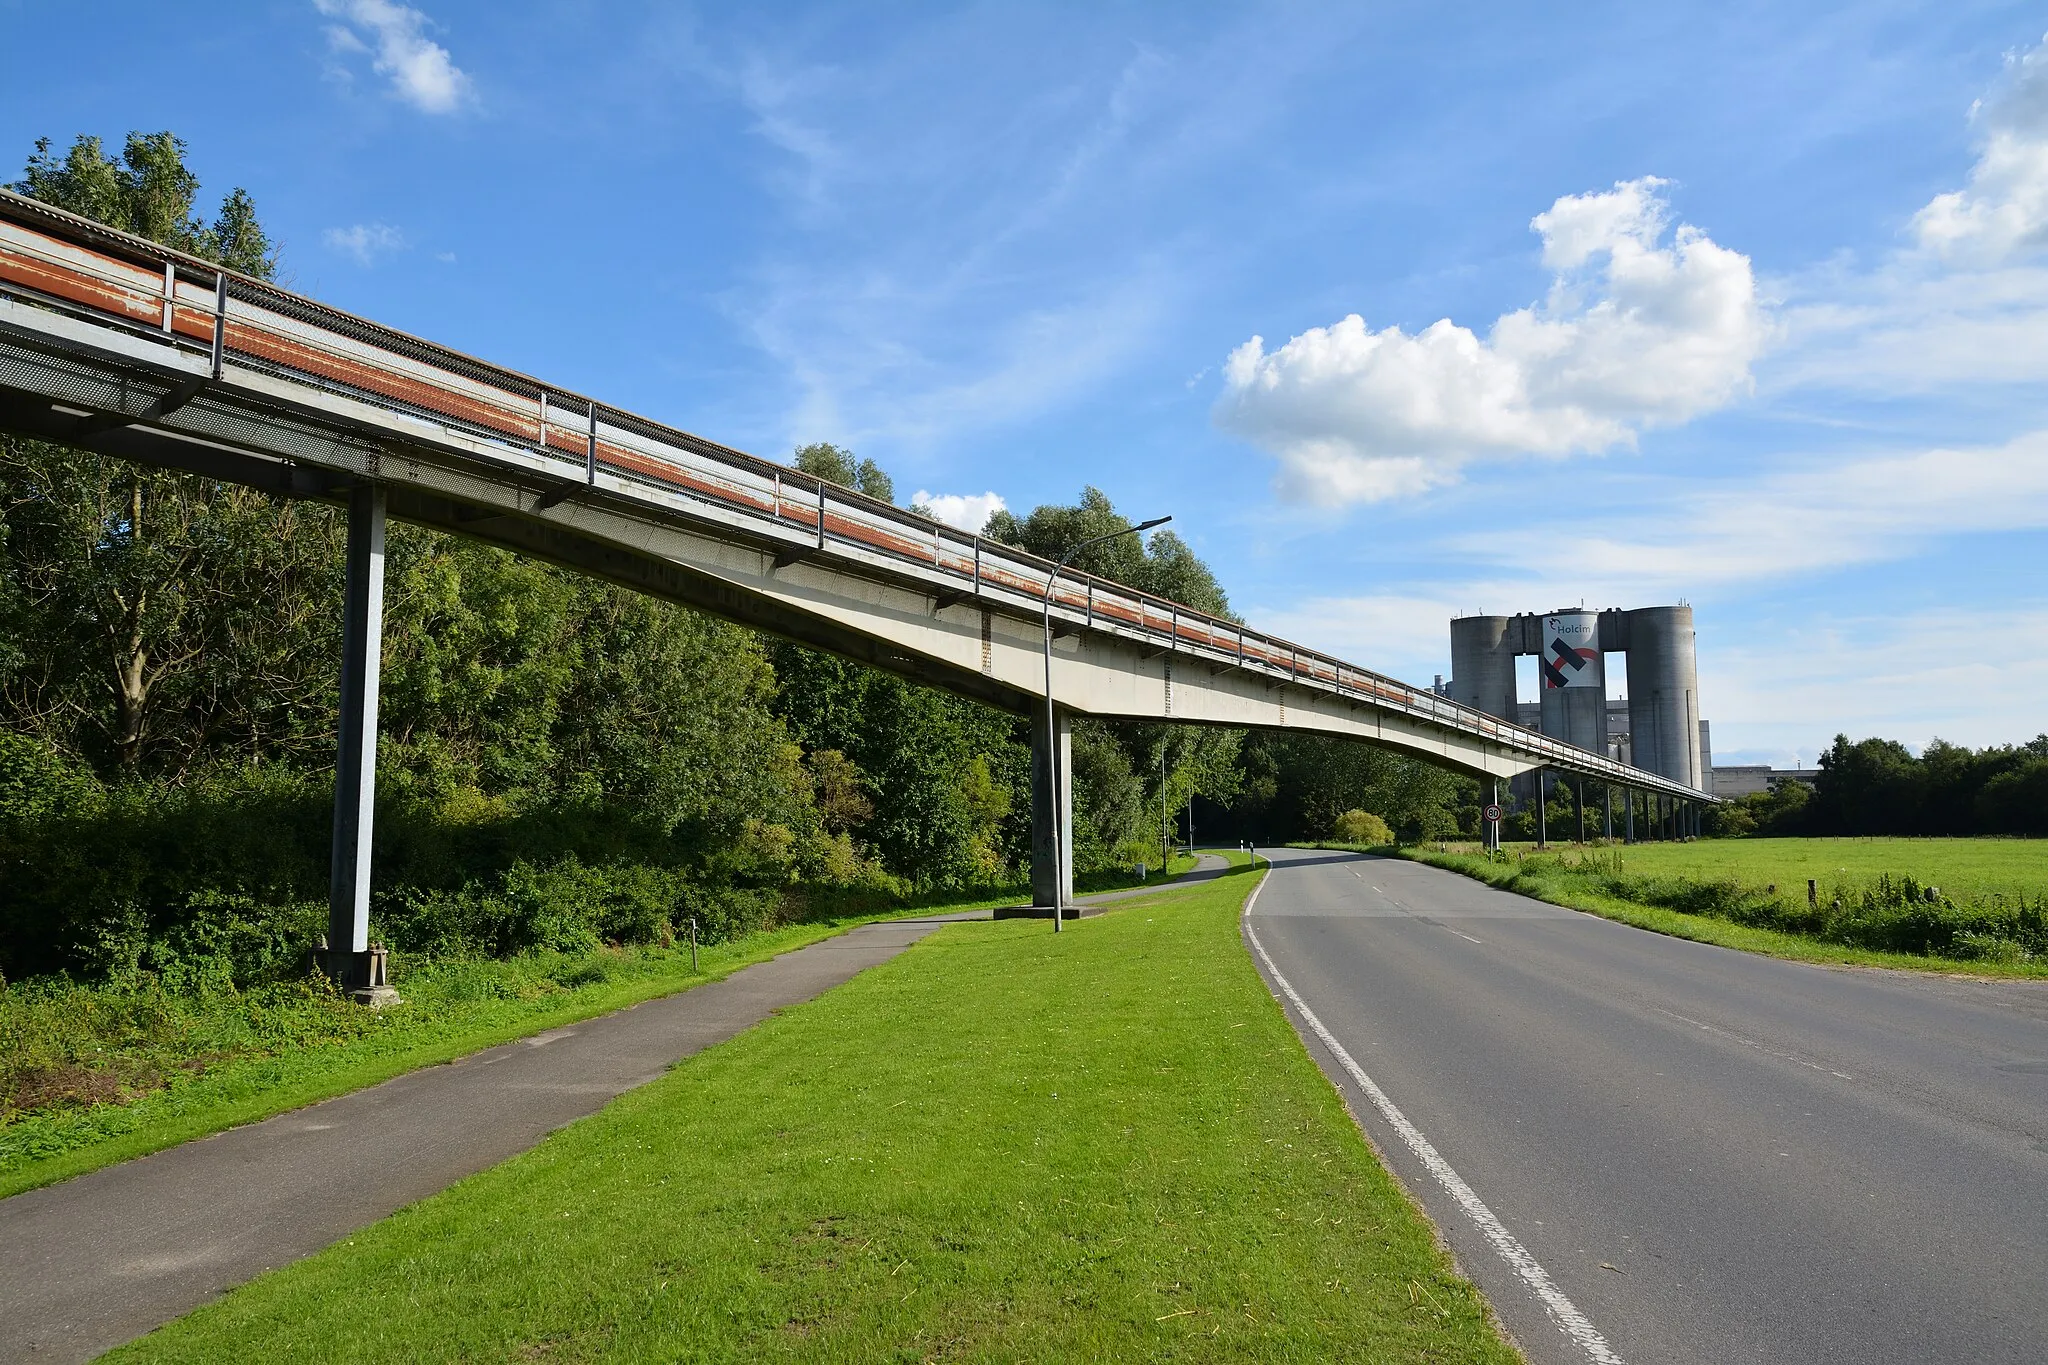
(1493, 815)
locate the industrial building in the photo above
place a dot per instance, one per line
(1658, 727)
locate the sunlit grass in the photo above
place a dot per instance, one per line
(1002, 1145)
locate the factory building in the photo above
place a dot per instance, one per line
(1658, 727)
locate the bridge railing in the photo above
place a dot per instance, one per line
(63, 262)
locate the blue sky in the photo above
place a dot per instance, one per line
(1740, 304)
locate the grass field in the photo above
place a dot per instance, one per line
(1001, 1145)
(1974, 905)
(94, 1074)
(1963, 868)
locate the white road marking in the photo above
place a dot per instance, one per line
(1467, 937)
(1561, 1309)
(1751, 1042)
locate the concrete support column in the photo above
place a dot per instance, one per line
(1629, 807)
(1542, 810)
(1607, 811)
(356, 967)
(1052, 754)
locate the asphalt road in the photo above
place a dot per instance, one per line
(1710, 1156)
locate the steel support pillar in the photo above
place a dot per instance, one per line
(357, 967)
(1052, 767)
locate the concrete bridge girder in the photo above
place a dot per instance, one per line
(821, 599)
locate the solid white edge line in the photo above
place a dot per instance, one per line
(1561, 1309)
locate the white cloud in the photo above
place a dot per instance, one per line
(2004, 208)
(1638, 330)
(365, 242)
(967, 511)
(1967, 302)
(420, 70)
(1714, 545)
(1825, 517)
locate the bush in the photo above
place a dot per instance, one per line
(1362, 827)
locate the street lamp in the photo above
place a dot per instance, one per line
(1052, 747)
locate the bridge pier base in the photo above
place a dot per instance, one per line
(357, 967)
(1052, 768)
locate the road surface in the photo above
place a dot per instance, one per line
(1650, 1150)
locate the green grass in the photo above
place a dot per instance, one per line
(1002, 1145)
(95, 1074)
(1750, 894)
(1960, 867)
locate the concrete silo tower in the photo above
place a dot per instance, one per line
(1483, 664)
(1664, 694)
(1571, 677)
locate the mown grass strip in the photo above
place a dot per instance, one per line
(1004, 1144)
(1567, 891)
(252, 1059)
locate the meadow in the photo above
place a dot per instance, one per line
(1944, 904)
(1961, 868)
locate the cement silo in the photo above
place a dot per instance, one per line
(1571, 677)
(1665, 734)
(1483, 664)
(1664, 694)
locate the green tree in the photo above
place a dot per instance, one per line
(1119, 792)
(1297, 785)
(149, 191)
(829, 462)
(152, 614)
(1162, 564)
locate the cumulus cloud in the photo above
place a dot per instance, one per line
(2004, 208)
(1815, 517)
(364, 242)
(968, 511)
(1643, 325)
(394, 37)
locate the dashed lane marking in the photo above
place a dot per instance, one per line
(1734, 1037)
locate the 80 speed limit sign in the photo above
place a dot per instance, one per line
(1493, 814)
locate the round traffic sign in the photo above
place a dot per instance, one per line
(1493, 814)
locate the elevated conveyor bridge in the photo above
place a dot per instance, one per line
(112, 343)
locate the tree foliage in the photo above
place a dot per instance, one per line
(150, 191)
(1878, 786)
(835, 465)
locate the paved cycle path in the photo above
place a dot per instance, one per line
(101, 1259)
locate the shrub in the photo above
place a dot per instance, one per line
(1362, 827)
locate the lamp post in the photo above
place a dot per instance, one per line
(1052, 748)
